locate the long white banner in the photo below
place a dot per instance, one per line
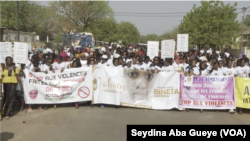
(134, 88)
(73, 85)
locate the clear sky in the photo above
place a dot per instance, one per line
(158, 25)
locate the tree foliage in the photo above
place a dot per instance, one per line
(80, 15)
(213, 24)
(165, 36)
(247, 20)
(32, 17)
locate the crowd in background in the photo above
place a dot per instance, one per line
(195, 62)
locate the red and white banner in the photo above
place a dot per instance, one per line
(73, 85)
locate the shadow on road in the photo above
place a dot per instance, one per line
(6, 136)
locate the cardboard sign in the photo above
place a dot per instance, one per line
(20, 52)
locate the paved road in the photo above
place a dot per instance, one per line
(101, 124)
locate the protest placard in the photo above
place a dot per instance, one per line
(152, 49)
(182, 43)
(20, 52)
(5, 50)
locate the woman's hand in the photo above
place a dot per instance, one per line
(62, 70)
(53, 70)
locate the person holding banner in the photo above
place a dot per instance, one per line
(59, 65)
(141, 65)
(147, 61)
(91, 62)
(134, 64)
(229, 71)
(10, 77)
(76, 64)
(243, 71)
(156, 66)
(192, 69)
(168, 66)
(104, 60)
(128, 64)
(216, 71)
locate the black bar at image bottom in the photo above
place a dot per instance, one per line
(162, 132)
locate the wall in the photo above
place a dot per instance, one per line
(235, 52)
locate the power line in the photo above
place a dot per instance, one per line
(151, 13)
(151, 16)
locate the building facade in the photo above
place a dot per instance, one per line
(30, 37)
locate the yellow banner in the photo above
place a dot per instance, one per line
(242, 92)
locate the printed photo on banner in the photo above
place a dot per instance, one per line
(137, 88)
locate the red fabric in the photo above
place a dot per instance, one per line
(140, 53)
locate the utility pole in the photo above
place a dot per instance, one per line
(244, 9)
(17, 20)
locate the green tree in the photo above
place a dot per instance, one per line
(213, 24)
(247, 20)
(80, 15)
(128, 33)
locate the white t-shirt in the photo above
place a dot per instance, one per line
(196, 71)
(142, 67)
(83, 63)
(243, 71)
(201, 51)
(204, 72)
(229, 72)
(167, 69)
(227, 54)
(176, 66)
(156, 68)
(58, 67)
(45, 68)
(134, 65)
(148, 64)
(110, 62)
(100, 64)
(48, 50)
(125, 67)
(216, 73)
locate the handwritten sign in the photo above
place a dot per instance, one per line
(182, 43)
(167, 50)
(5, 50)
(20, 52)
(152, 49)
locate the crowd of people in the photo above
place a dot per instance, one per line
(195, 62)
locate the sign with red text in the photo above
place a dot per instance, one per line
(208, 92)
(72, 85)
